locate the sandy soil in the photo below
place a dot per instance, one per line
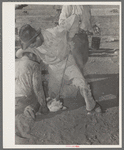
(74, 126)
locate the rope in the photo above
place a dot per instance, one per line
(63, 77)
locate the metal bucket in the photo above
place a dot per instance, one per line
(95, 42)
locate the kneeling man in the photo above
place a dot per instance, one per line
(29, 94)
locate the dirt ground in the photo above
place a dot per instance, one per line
(73, 126)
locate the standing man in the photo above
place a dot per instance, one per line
(54, 47)
(85, 28)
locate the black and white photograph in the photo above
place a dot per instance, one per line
(65, 84)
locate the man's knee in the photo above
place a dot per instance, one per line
(79, 83)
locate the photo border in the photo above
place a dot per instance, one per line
(2, 68)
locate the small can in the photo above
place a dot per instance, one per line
(96, 42)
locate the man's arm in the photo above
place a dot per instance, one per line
(65, 13)
(69, 20)
(38, 89)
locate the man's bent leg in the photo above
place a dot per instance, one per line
(23, 124)
(85, 92)
(73, 73)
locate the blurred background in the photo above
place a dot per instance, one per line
(106, 17)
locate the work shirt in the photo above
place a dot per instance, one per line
(56, 45)
(28, 79)
(83, 11)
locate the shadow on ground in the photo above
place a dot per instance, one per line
(106, 91)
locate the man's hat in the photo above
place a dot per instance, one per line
(28, 35)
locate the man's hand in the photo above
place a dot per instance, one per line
(55, 105)
(29, 112)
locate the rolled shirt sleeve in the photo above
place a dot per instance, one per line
(69, 20)
(70, 24)
(83, 12)
(66, 12)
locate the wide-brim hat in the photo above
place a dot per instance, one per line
(28, 35)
